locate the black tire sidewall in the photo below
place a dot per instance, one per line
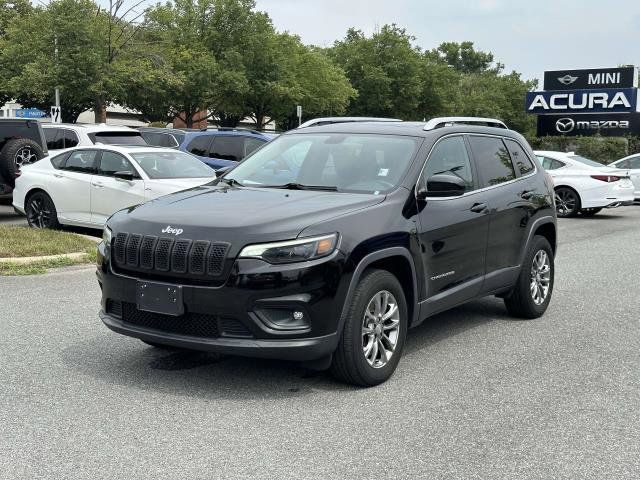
(8, 167)
(524, 281)
(372, 283)
(578, 204)
(53, 223)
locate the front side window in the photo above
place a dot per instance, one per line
(83, 161)
(112, 162)
(228, 148)
(200, 146)
(493, 160)
(519, 156)
(346, 162)
(450, 157)
(172, 165)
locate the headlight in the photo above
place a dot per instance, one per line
(106, 236)
(293, 250)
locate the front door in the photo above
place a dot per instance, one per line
(110, 194)
(452, 230)
(70, 191)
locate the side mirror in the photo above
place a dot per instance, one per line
(442, 185)
(125, 175)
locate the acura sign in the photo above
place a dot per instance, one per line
(609, 100)
(605, 125)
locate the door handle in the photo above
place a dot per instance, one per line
(58, 175)
(527, 194)
(478, 207)
(98, 185)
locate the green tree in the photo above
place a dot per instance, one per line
(463, 57)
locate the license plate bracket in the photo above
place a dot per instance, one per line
(162, 298)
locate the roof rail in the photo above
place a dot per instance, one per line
(230, 129)
(449, 121)
(331, 120)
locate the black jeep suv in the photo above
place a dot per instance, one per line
(21, 142)
(327, 244)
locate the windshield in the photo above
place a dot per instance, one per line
(586, 161)
(345, 162)
(118, 138)
(172, 165)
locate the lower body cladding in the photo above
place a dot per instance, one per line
(288, 312)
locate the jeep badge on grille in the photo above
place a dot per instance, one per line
(173, 231)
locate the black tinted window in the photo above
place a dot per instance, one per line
(81, 161)
(450, 157)
(58, 160)
(251, 144)
(519, 156)
(493, 160)
(200, 146)
(112, 162)
(54, 139)
(160, 139)
(228, 148)
(70, 138)
(117, 138)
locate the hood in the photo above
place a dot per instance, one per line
(175, 184)
(238, 215)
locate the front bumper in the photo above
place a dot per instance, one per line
(229, 318)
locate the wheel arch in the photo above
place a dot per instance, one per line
(570, 187)
(543, 226)
(397, 261)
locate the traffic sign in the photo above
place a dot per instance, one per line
(56, 115)
(30, 113)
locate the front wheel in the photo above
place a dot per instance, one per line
(531, 295)
(375, 327)
(40, 211)
(567, 202)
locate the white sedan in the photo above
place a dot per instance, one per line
(632, 165)
(84, 186)
(584, 186)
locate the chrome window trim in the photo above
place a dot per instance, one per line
(479, 190)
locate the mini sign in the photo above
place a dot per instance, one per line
(608, 100)
(597, 78)
(591, 124)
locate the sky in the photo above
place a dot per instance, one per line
(527, 36)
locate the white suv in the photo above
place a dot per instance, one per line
(66, 135)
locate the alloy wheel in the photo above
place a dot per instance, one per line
(566, 202)
(25, 156)
(540, 277)
(380, 329)
(38, 212)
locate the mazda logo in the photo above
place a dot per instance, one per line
(567, 79)
(565, 125)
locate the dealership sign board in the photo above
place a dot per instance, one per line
(605, 125)
(596, 78)
(604, 100)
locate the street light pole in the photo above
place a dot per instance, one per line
(56, 57)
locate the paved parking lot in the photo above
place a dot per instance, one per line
(477, 394)
(8, 216)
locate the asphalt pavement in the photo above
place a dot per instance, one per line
(477, 395)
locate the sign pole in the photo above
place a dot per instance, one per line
(299, 112)
(57, 92)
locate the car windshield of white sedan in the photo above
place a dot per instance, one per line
(159, 165)
(335, 161)
(586, 161)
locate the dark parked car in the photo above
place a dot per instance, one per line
(222, 147)
(330, 242)
(21, 142)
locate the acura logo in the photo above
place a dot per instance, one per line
(173, 231)
(565, 125)
(567, 79)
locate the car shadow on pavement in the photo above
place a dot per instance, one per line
(130, 363)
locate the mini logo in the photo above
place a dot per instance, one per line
(567, 79)
(565, 125)
(171, 230)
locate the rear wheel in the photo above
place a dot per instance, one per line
(567, 202)
(531, 295)
(589, 212)
(374, 332)
(40, 211)
(16, 154)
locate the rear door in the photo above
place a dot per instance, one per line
(511, 194)
(110, 194)
(452, 230)
(70, 188)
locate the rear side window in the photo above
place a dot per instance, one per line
(112, 162)
(251, 144)
(200, 146)
(82, 161)
(54, 140)
(70, 138)
(58, 160)
(519, 156)
(493, 160)
(634, 162)
(228, 148)
(160, 139)
(550, 163)
(450, 157)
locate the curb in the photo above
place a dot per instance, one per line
(27, 260)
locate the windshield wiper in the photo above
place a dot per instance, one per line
(300, 186)
(230, 181)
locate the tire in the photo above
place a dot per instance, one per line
(567, 202)
(351, 363)
(15, 154)
(522, 302)
(589, 212)
(41, 211)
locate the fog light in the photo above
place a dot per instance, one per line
(283, 318)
